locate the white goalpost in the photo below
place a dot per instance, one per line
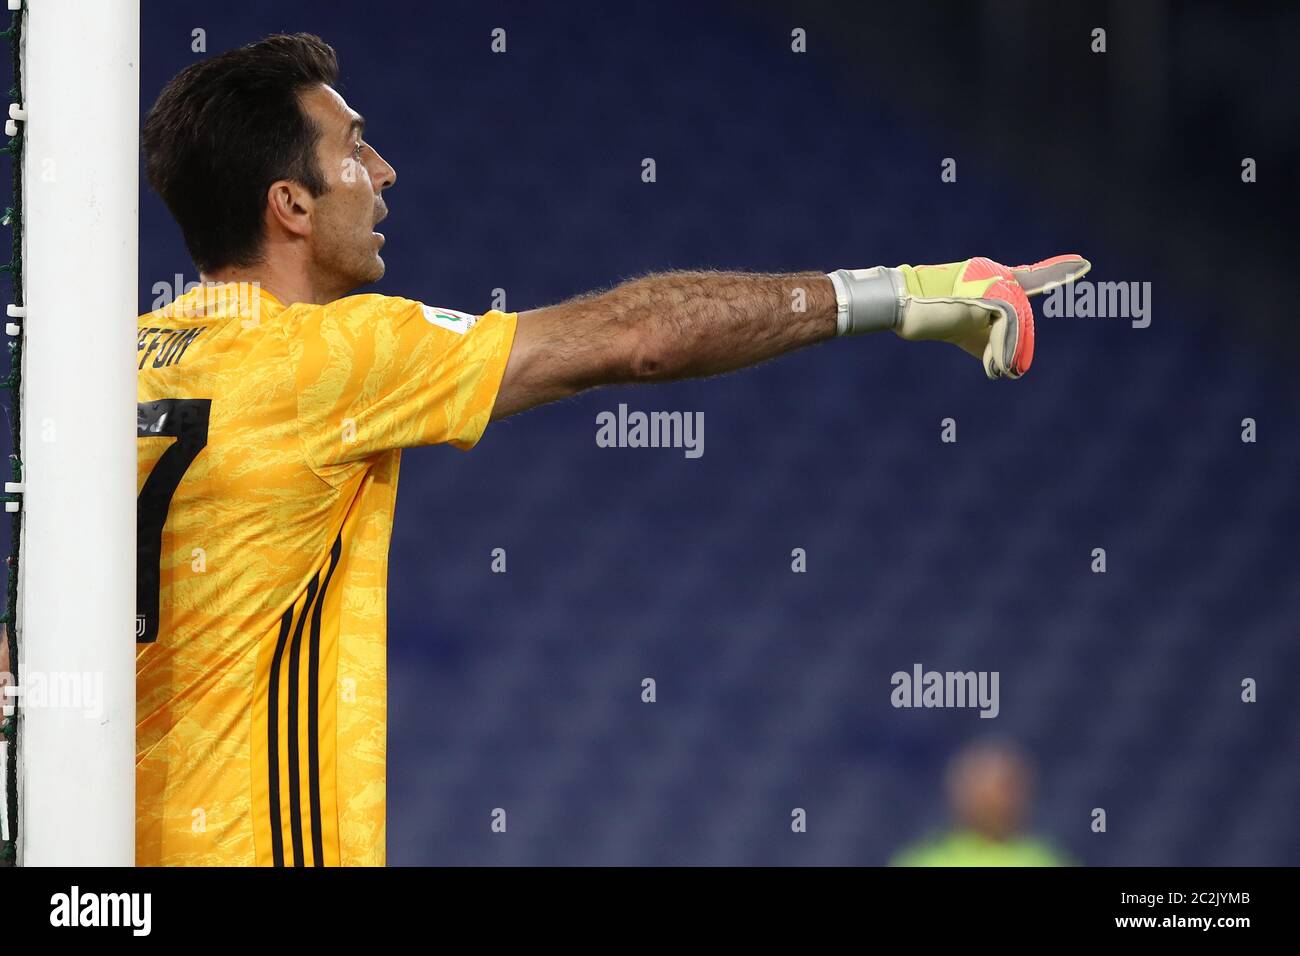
(76, 606)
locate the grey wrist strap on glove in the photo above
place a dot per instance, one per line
(869, 300)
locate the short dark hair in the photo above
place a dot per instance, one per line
(223, 130)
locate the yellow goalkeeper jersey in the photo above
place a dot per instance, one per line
(269, 443)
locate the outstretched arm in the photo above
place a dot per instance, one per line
(663, 327)
(689, 324)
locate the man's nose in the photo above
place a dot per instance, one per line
(382, 175)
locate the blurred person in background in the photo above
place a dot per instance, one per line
(990, 792)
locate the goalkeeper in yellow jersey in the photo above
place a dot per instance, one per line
(274, 405)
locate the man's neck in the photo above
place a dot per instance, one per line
(288, 289)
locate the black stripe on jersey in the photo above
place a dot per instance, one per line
(313, 709)
(295, 794)
(273, 740)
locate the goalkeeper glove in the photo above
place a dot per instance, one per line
(979, 305)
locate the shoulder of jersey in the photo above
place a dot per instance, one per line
(450, 319)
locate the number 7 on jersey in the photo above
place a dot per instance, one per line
(186, 420)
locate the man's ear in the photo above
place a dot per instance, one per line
(290, 206)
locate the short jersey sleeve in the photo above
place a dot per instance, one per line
(375, 373)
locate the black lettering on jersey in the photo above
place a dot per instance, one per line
(167, 346)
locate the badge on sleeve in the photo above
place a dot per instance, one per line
(449, 319)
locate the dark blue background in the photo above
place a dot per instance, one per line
(522, 171)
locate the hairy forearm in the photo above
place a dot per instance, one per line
(684, 324)
(704, 323)
(662, 327)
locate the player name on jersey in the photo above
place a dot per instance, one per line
(166, 346)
